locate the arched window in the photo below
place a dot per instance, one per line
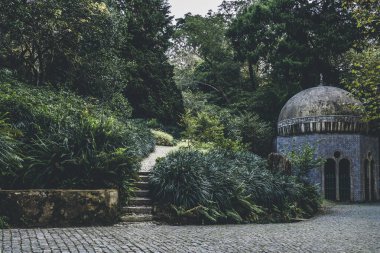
(344, 180)
(366, 180)
(372, 179)
(330, 179)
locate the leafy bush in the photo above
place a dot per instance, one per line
(9, 152)
(71, 142)
(224, 186)
(120, 106)
(220, 128)
(255, 133)
(176, 180)
(303, 160)
(207, 131)
(162, 138)
(3, 222)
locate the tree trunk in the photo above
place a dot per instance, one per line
(251, 74)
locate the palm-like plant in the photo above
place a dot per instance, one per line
(225, 186)
(10, 159)
(179, 180)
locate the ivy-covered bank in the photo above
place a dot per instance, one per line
(55, 139)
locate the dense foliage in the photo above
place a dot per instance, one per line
(363, 80)
(3, 222)
(294, 41)
(95, 48)
(367, 13)
(162, 138)
(151, 90)
(252, 56)
(224, 187)
(9, 156)
(203, 57)
(215, 127)
(64, 141)
(91, 65)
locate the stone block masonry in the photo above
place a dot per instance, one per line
(42, 208)
(354, 147)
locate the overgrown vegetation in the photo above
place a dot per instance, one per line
(3, 222)
(56, 139)
(162, 138)
(214, 127)
(73, 73)
(228, 187)
(96, 48)
(252, 56)
(363, 80)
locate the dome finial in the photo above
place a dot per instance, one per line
(320, 79)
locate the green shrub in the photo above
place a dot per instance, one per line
(119, 105)
(255, 133)
(224, 186)
(71, 142)
(3, 222)
(303, 160)
(10, 159)
(154, 124)
(162, 138)
(179, 180)
(207, 131)
(221, 128)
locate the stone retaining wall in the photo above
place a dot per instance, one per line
(41, 208)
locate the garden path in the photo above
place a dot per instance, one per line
(160, 151)
(343, 228)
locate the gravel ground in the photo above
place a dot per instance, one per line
(160, 151)
(343, 228)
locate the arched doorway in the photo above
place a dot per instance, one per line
(372, 179)
(344, 180)
(366, 180)
(330, 179)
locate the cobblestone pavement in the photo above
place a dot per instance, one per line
(160, 151)
(344, 228)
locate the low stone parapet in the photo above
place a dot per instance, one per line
(41, 208)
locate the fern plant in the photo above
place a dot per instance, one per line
(10, 158)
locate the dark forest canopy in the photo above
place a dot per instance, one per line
(96, 48)
(296, 41)
(247, 57)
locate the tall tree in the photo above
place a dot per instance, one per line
(363, 81)
(294, 41)
(203, 55)
(62, 42)
(99, 48)
(367, 13)
(151, 90)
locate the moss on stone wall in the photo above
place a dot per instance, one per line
(43, 208)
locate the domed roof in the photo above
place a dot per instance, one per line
(321, 109)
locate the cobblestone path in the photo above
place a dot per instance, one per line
(344, 228)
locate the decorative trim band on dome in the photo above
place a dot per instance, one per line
(322, 124)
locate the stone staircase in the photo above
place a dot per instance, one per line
(139, 207)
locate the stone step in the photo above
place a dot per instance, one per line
(136, 217)
(138, 201)
(142, 185)
(142, 193)
(137, 209)
(144, 178)
(144, 173)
